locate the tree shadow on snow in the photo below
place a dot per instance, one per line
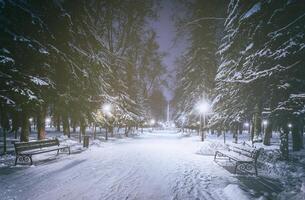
(68, 166)
(14, 169)
(10, 170)
(39, 160)
(260, 186)
(257, 186)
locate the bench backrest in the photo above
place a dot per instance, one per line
(25, 146)
(248, 152)
(256, 153)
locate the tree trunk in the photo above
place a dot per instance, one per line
(4, 141)
(302, 136)
(4, 122)
(25, 127)
(74, 127)
(15, 124)
(66, 125)
(301, 127)
(235, 133)
(41, 125)
(94, 132)
(240, 128)
(296, 136)
(82, 130)
(257, 123)
(73, 123)
(34, 124)
(57, 122)
(111, 129)
(106, 134)
(252, 130)
(284, 142)
(268, 133)
(127, 129)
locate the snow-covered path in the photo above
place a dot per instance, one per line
(153, 166)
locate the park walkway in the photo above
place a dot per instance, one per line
(160, 165)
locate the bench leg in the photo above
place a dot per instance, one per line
(69, 150)
(24, 159)
(255, 167)
(31, 160)
(235, 170)
(16, 160)
(215, 155)
(57, 151)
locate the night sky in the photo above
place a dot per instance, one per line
(165, 28)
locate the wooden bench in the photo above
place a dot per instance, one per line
(245, 158)
(25, 150)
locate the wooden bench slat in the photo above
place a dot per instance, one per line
(236, 156)
(240, 155)
(28, 149)
(34, 151)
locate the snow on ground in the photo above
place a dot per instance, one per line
(154, 165)
(159, 165)
(271, 168)
(232, 191)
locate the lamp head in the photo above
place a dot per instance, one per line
(203, 107)
(107, 108)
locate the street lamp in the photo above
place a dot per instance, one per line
(203, 107)
(106, 109)
(289, 126)
(265, 122)
(152, 123)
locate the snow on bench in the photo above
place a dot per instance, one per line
(25, 150)
(245, 158)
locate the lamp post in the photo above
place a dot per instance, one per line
(203, 108)
(107, 108)
(152, 123)
(289, 126)
(265, 122)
